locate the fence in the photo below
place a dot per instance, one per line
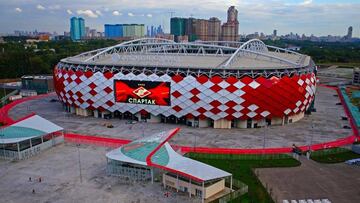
(6, 97)
(238, 156)
(241, 189)
(326, 152)
(95, 140)
(351, 109)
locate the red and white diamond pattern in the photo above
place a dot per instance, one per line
(202, 97)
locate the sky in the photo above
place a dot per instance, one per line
(318, 17)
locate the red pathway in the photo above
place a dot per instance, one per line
(114, 142)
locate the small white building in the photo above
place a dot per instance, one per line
(28, 137)
(152, 156)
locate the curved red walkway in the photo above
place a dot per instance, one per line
(4, 111)
(113, 142)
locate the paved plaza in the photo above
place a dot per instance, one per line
(59, 170)
(326, 122)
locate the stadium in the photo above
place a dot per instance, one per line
(200, 84)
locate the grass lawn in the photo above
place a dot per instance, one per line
(241, 166)
(335, 155)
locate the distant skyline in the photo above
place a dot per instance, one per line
(318, 17)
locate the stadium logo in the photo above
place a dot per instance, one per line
(142, 92)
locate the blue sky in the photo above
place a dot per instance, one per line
(319, 17)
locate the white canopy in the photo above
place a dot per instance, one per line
(34, 126)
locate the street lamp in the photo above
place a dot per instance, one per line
(264, 136)
(2, 135)
(311, 137)
(78, 146)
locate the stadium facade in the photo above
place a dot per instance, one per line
(202, 84)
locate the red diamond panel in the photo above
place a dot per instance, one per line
(195, 91)
(215, 103)
(216, 79)
(92, 85)
(215, 88)
(177, 108)
(177, 78)
(93, 92)
(201, 110)
(231, 88)
(176, 94)
(195, 99)
(215, 110)
(202, 79)
(275, 95)
(108, 90)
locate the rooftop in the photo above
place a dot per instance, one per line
(155, 52)
(156, 151)
(34, 126)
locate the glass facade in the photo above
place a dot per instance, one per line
(124, 30)
(77, 28)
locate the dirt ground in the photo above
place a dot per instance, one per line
(59, 169)
(337, 182)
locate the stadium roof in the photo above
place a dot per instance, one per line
(155, 52)
(156, 151)
(34, 126)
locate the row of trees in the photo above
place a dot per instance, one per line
(16, 61)
(325, 52)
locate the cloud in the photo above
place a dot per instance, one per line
(88, 13)
(98, 12)
(149, 15)
(116, 13)
(69, 11)
(40, 7)
(306, 2)
(131, 14)
(19, 10)
(54, 7)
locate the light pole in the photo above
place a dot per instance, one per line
(195, 143)
(264, 139)
(78, 146)
(311, 138)
(2, 140)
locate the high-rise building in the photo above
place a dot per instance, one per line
(177, 26)
(214, 29)
(275, 33)
(113, 31)
(124, 30)
(349, 33)
(87, 31)
(196, 29)
(206, 30)
(230, 29)
(77, 28)
(82, 27)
